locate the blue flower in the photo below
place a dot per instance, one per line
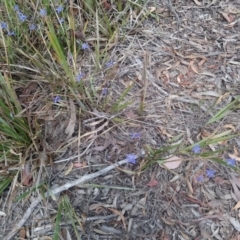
(104, 91)
(59, 9)
(200, 178)
(11, 33)
(22, 17)
(231, 162)
(32, 27)
(109, 64)
(42, 12)
(61, 20)
(79, 77)
(131, 158)
(196, 149)
(210, 173)
(56, 99)
(16, 8)
(135, 135)
(4, 25)
(85, 46)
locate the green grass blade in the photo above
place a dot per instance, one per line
(223, 112)
(57, 222)
(4, 183)
(115, 106)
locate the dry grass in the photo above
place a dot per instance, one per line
(173, 66)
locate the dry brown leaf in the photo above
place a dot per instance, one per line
(230, 126)
(77, 165)
(152, 183)
(80, 164)
(234, 156)
(22, 234)
(130, 114)
(93, 124)
(226, 16)
(106, 5)
(71, 125)
(189, 187)
(26, 175)
(172, 162)
(151, 9)
(163, 131)
(97, 206)
(197, 3)
(185, 236)
(235, 189)
(205, 134)
(120, 215)
(201, 62)
(78, 34)
(235, 151)
(178, 79)
(167, 221)
(193, 67)
(193, 56)
(237, 206)
(70, 167)
(231, 17)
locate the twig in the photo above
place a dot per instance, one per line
(175, 14)
(88, 219)
(59, 190)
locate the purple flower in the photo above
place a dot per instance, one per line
(131, 158)
(42, 12)
(59, 9)
(61, 20)
(11, 33)
(79, 77)
(104, 91)
(196, 149)
(231, 162)
(135, 135)
(85, 46)
(4, 25)
(16, 8)
(22, 17)
(210, 173)
(109, 64)
(56, 99)
(32, 27)
(200, 178)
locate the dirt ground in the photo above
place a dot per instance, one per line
(191, 57)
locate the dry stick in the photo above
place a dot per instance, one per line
(59, 190)
(144, 84)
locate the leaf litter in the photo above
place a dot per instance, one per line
(193, 63)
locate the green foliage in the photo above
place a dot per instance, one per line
(66, 211)
(4, 183)
(177, 146)
(14, 131)
(225, 111)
